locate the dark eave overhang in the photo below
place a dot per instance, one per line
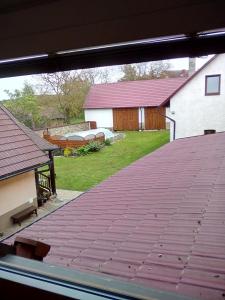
(142, 51)
(22, 171)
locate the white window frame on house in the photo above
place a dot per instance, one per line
(217, 92)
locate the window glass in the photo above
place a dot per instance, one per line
(212, 84)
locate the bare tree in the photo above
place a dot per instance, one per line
(141, 71)
(70, 88)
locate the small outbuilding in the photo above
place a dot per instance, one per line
(21, 155)
(130, 105)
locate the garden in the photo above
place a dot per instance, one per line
(81, 169)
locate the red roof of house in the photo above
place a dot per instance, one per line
(18, 152)
(139, 93)
(159, 222)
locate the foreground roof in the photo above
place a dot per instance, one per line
(138, 93)
(18, 152)
(43, 144)
(159, 222)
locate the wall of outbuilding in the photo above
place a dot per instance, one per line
(102, 116)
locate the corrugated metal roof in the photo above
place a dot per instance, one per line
(159, 222)
(18, 151)
(137, 93)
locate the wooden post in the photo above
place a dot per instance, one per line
(52, 172)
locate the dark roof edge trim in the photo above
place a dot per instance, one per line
(22, 171)
(116, 55)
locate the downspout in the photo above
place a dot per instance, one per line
(172, 120)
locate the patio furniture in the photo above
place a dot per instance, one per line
(22, 215)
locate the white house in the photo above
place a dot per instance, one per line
(130, 105)
(199, 104)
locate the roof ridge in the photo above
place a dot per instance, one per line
(136, 80)
(26, 130)
(19, 124)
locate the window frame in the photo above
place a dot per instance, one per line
(206, 85)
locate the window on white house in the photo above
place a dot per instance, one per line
(212, 84)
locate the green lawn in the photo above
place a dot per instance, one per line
(84, 172)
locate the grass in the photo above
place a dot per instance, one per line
(84, 172)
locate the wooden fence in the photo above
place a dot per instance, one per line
(70, 143)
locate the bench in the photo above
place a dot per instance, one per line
(20, 216)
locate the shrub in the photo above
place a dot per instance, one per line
(68, 152)
(82, 150)
(108, 142)
(94, 146)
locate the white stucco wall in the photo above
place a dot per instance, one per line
(168, 122)
(16, 193)
(192, 110)
(103, 116)
(141, 117)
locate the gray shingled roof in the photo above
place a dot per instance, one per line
(18, 151)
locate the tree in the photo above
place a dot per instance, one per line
(70, 88)
(23, 105)
(141, 71)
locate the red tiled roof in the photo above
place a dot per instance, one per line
(17, 150)
(159, 222)
(138, 93)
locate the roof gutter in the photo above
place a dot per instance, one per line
(133, 52)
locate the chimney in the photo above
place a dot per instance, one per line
(192, 65)
(26, 248)
(30, 248)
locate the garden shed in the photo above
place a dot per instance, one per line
(130, 105)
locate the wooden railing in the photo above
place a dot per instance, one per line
(44, 180)
(43, 184)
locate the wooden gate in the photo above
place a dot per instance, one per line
(125, 119)
(154, 119)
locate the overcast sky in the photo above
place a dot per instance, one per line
(17, 82)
